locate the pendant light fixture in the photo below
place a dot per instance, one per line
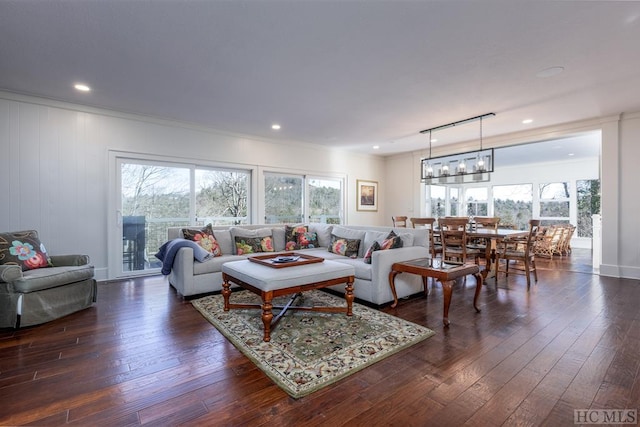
(472, 166)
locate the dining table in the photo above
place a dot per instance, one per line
(492, 236)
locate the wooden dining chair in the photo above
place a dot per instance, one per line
(435, 245)
(484, 222)
(523, 254)
(453, 234)
(399, 221)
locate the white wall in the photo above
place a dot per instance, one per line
(54, 168)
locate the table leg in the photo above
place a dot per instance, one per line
(446, 291)
(226, 292)
(478, 277)
(267, 315)
(392, 285)
(488, 260)
(348, 295)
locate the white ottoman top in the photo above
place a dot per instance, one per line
(267, 278)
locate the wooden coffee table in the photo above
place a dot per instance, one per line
(271, 281)
(445, 273)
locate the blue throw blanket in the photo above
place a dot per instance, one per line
(168, 251)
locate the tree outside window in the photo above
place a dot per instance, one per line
(454, 201)
(437, 198)
(513, 204)
(325, 200)
(283, 201)
(222, 197)
(555, 203)
(476, 200)
(588, 192)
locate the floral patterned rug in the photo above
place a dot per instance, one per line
(310, 350)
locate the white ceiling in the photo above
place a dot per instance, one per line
(350, 74)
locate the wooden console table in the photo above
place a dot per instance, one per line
(445, 273)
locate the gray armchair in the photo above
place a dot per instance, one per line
(39, 295)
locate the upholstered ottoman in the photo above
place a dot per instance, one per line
(273, 281)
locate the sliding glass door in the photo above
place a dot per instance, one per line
(155, 195)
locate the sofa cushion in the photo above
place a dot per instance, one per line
(373, 236)
(370, 251)
(323, 231)
(252, 245)
(307, 240)
(278, 234)
(344, 247)
(291, 236)
(321, 252)
(46, 278)
(407, 239)
(24, 249)
(227, 245)
(350, 234)
(362, 271)
(204, 238)
(214, 265)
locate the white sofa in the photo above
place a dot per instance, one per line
(190, 277)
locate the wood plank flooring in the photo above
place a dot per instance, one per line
(143, 356)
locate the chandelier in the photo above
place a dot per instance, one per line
(471, 166)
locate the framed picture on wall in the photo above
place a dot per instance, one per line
(367, 194)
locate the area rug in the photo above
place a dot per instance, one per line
(310, 350)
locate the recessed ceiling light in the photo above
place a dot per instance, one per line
(376, 147)
(82, 87)
(571, 154)
(434, 140)
(527, 121)
(549, 72)
(275, 126)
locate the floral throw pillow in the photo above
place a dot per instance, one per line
(307, 240)
(370, 251)
(392, 241)
(290, 236)
(23, 248)
(252, 245)
(204, 238)
(343, 246)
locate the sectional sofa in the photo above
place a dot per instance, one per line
(191, 277)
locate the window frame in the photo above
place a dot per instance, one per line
(306, 178)
(115, 224)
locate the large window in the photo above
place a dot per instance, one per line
(454, 201)
(555, 203)
(292, 198)
(155, 195)
(437, 198)
(222, 197)
(325, 200)
(283, 198)
(588, 197)
(513, 204)
(477, 201)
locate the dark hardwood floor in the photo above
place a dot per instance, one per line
(142, 355)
